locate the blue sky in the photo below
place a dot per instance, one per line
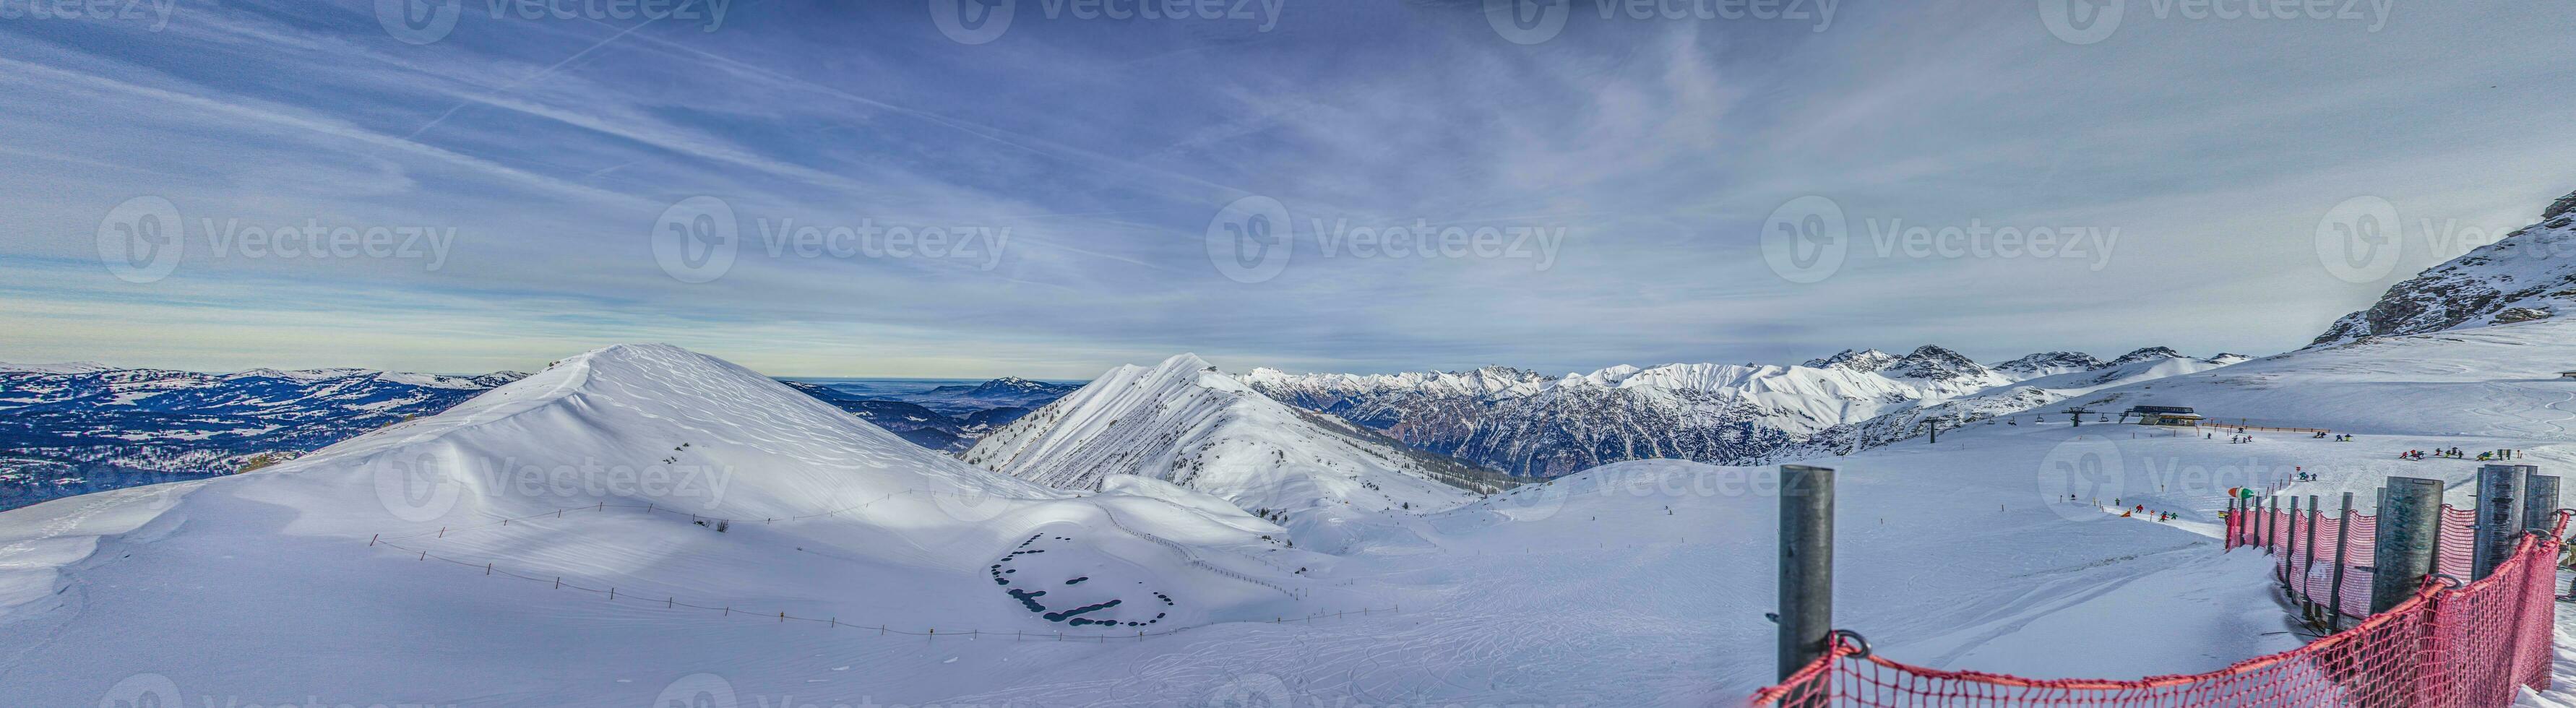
(1091, 177)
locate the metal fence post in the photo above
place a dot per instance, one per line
(2540, 502)
(2499, 516)
(2316, 513)
(1806, 565)
(2343, 544)
(2263, 533)
(2290, 548)
(2408, 523)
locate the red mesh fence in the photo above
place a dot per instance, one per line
(2475, 645)
(2303, 547)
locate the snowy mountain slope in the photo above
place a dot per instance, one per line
(1985, 407)
(647, 469)
(2047, 364)
(2499, 380)
(2530, 274)
(1639, 583)
(1182, 422)
(1542, 426)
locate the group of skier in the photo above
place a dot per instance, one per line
(2130, 512)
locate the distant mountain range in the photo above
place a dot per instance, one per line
(76, 428)
(1532, 424)
(944, 418)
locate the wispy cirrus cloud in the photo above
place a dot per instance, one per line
(1645, 154)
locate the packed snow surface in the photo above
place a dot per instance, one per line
(1640, 583)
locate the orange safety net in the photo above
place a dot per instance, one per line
(2472, 645)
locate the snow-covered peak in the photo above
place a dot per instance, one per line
(2147, 354)
(1938, 364)
(2048, 364)
(1182, 422)
(619, 475)
(1862, 360)
(2526, 276)
(2557, 208)
(1009, 385)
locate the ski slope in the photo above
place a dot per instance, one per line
(1639, 583)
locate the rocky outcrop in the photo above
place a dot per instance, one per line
(2525, 276)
